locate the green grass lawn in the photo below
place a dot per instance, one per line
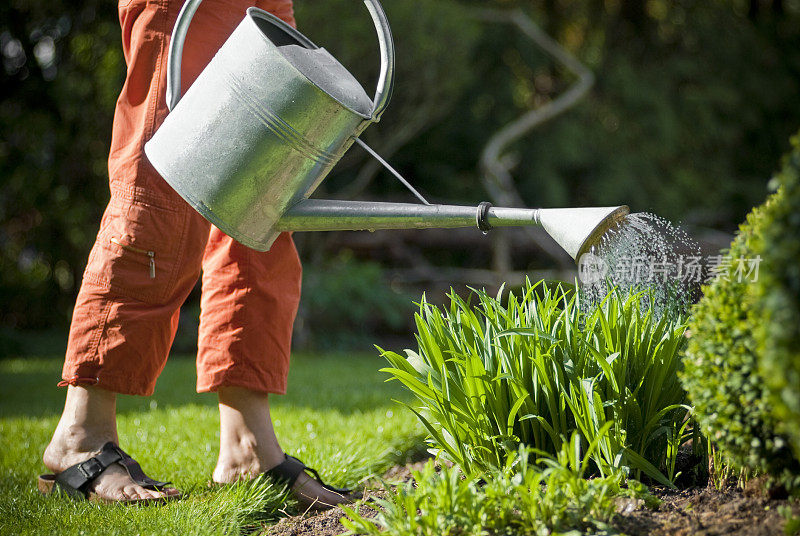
(338, 417)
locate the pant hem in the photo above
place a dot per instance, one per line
(121, 385)
(274, 384)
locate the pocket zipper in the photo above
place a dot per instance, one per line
(150, 254)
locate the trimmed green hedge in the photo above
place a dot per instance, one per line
(721, 373)
(778, 297)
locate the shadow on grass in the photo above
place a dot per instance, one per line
(344, 383)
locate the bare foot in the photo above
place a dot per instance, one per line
(88, 423)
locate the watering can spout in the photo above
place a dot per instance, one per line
(574, 229)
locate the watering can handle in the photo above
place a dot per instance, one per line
(385, 80)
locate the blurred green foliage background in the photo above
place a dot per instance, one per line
(693, 105)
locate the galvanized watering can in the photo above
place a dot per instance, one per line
(268, 119)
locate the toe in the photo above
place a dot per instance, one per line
(131, 492)
(114, 495)
(149, 494)
(154, 494)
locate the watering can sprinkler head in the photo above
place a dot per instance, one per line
(578, 229)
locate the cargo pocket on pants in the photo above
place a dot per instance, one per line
(137, 250)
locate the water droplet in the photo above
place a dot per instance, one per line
(647, 253)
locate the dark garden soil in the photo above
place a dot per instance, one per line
(706, 511)
(322, 524)
(327, 523)
(695, 511)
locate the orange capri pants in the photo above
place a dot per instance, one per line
(152, 246)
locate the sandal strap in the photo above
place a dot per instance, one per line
(137, 474)
(315, 474)
(75, 480)
(287, 472)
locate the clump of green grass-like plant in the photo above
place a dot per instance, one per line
(549, 496)
(532, 371)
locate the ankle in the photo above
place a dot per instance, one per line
(89, 419)
(83, 438)
(87, 423)
(239, 448)
(73, 444)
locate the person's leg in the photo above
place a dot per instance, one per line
(118, 344)
(144, 263)
(119, 341)
(248, 306)
(249, 303)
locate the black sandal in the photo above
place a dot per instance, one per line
(289, 470)
(76, 480)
